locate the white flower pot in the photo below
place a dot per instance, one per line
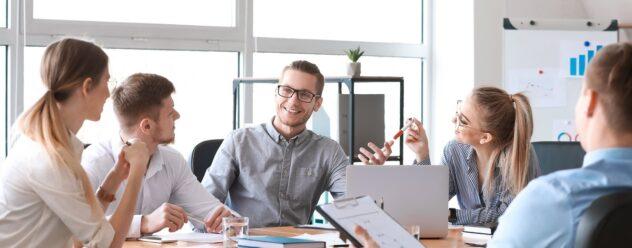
(353, 69)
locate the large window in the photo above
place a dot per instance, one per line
(189, 12)
(201, 46)
(3, 102)
(354, 20)
(3, 13)
(203, 82)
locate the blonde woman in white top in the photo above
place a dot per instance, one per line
(46, 199)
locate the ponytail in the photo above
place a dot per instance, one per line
(508, 118)
(43, 123)
(519, 156)
(65, 66)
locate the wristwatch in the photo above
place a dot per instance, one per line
(105, 196)
(452, 217)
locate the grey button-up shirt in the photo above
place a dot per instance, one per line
(274, 181)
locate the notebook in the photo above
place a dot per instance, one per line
(281, 242)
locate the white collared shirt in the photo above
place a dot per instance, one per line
(43, 204)
(168, 179)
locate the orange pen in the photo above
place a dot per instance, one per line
(401, 131)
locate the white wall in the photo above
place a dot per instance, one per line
(488, 15)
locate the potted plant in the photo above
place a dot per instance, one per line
(353, 68)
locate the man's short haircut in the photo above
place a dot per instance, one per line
(309, 68)
(140, 96)
(610, 74)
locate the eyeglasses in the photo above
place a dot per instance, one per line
(459, 118)
(288, 92)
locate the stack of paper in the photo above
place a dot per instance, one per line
(192, 237)
(330, 238)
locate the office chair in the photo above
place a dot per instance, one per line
(202, 156)
(555, 155)
(607, 222)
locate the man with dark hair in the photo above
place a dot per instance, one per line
(275, 172)
(170, 195)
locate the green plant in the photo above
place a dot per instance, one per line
(354, 54)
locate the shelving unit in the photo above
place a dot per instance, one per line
(349, 82)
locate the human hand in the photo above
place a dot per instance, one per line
(167, 215)
(364, 238)
(137, 155)
(213, 223)
(417, 140)
(379, 156)
(121, 168)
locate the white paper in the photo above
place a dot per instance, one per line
(544, 86)
(192, 237)
(476, 238)
(330, 239)
(363, 212)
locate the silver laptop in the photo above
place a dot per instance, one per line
(411, 194)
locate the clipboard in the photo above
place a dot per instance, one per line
(344, 214)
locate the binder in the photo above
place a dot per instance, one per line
(344, 214)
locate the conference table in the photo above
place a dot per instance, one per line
(454, 238)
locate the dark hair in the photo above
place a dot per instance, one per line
(139, 96)
(610, 74)
(309, 68)
(508, 118)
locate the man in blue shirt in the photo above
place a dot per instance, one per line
(547, 212)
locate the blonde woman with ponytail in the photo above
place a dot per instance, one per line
(491, 158)
(46, 199)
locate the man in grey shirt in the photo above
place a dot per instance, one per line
(275, 172)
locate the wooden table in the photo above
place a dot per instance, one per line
(454, 238)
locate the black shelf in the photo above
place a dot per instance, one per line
(349, 82)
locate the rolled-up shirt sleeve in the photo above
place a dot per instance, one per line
(337, 183)
(220, 175)
(191, 195)
(64, 195)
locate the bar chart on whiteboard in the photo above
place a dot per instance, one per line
(549, 66)
(576, 55)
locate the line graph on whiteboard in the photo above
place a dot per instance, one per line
(542, 85)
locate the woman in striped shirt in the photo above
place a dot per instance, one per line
(491, 158)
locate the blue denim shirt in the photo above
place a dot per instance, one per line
(547, 212)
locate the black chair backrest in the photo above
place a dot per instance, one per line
(607, 222)
(555, 155)
(202, 156)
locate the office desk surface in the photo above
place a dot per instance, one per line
(454, 238)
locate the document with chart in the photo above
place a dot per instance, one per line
(345, 214)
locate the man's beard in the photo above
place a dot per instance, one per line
(164, 141)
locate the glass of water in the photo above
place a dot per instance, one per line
(234, 227)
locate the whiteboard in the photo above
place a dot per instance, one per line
(549, 66)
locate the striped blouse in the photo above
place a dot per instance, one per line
(475, 206)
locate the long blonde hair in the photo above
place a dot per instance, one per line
(508, 118)
(65, 66)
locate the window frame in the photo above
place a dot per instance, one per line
(23, 30)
